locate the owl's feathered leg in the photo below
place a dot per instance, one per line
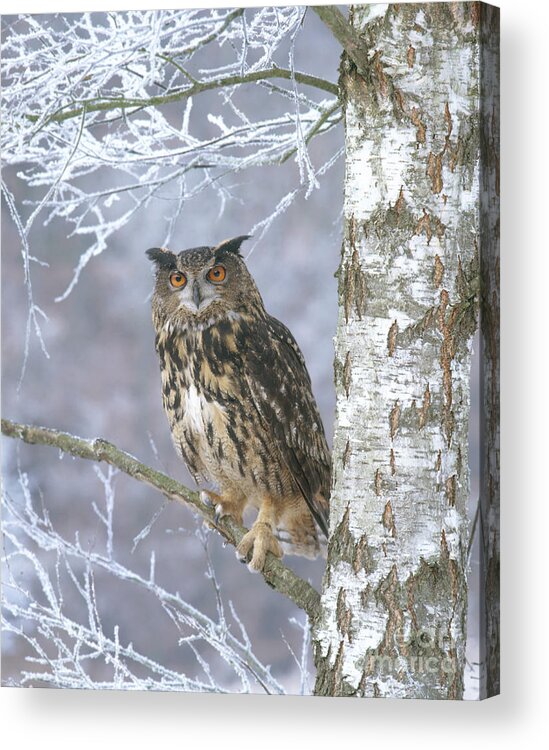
(260, 537)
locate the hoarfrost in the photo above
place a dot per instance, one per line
(67, 642)
(115, 102)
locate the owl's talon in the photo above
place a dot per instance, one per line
(240, 558)
(245, 560)
(206, 499)
(219, 514)
(259, 540)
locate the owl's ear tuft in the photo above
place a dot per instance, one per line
(162, 257)
(232, 245)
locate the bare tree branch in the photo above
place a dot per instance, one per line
(113, 77)
(107, 104)
(276, 574)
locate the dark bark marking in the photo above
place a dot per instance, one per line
(342, 542)
(438, 272)
(392, 337)
(346, 453)
(451, 490)
(421, 132)
(362, 558)
(411, 56)
(400, 203)
(346, 375)
(448, 119)
(394, 419)
(434, 171)
(423, 414)
(388, 519)
(344, 615)
(352, 288)
(378, 482)
(430, 225)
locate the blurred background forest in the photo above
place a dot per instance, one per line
(101, 378)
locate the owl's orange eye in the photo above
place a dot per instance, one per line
(217, 274)
(178, 280)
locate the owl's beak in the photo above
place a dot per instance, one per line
(197, 295)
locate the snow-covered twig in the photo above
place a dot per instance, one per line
(106, 98)
(67, 649)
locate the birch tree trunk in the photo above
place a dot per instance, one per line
(394, 603)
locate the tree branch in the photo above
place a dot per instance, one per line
(106, 104)
(345, 34)
(215, 34)
(314, 130)
(276, 574)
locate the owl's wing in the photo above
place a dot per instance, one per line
(281, 391)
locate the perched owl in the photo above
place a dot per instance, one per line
(239, 401)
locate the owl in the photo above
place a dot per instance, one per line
(239, 402)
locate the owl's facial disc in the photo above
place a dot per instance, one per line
(201, 289)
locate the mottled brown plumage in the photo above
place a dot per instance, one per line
(238, 399)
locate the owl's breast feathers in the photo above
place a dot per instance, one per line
(238, 394)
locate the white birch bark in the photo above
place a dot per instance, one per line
(394, 602)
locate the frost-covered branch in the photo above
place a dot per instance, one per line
(111, 97)
(276, 574)
(109, 104)
(56, 613)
